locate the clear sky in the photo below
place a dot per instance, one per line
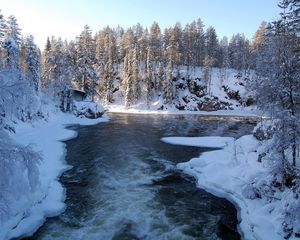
(66, 18)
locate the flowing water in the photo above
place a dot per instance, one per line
(124, 183)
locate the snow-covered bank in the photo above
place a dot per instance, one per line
(44, 137)
(229, 113)
(227, 173)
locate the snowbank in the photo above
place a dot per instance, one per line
(226, 173)
(45, 137)
(234, 113)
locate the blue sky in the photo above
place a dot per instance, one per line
(66, 18)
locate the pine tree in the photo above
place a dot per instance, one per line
(207, 69)
(155, 43)
(200, 43)
(32, 59)
(149, 80)
(128, 80)
(168, 84)
(224, 58)
(13, 31)
(3, 28)
(212, 45)
(86, 76)
(11, 54)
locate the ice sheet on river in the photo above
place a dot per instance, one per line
(226, 172)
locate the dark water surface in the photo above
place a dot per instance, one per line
(124, 183)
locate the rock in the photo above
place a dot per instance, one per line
(265, 130)
(212, 104)
(87, 109)
(196, 88)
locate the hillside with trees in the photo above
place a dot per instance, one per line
(182, 68)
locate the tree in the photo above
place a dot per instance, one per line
(32, 60)
(3, 27)
(11, 54)
(200, 42)
(207, 68)
(172, 45)
(224, 58)
(106, 57)
(239, 52)
(279, 69)
(13, 31)
(86, 76)
(148, 79)
(258, 46)
(168, 84)
(212, 44)
(155, 42)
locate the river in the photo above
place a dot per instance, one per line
(124, 183)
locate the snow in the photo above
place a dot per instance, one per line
(140, 110)
(227, 91)
(226, 173)
(44, 137)
(88, 109)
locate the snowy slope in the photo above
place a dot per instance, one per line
(191, 92)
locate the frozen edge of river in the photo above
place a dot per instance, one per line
(46, 138)
(225, 173)
(225, 113)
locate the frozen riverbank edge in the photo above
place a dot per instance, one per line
(46, 138)
(226, 173)
(234, 114)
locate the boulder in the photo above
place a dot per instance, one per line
(87, 109)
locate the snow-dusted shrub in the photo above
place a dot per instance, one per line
(265, 129)
(87, 109)
(18, 100)
(291, 224)
(19, 177)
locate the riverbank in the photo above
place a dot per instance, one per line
(228, 172)
(226, 113)
(44, 137)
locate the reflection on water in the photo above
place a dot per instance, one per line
(124, 183)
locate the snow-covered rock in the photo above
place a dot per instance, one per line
(87, 109)
(264, 130)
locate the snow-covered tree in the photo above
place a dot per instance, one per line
(212, 44)
(2, 28)
(11, 54)
(155, 42)
(12, 30)
(277, 91)
(32, 59)
(168, 84)
(85, 73)
(207, 71)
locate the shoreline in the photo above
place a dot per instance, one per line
(238, 114)
(237, 159)
(46, 138)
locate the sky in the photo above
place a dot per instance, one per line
(66, 18)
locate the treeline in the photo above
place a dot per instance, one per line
(140, 56)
